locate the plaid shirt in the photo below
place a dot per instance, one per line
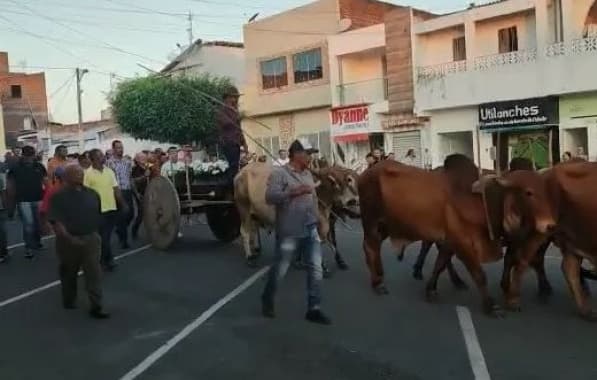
(123, 170)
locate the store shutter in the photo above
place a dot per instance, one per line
(403, 141)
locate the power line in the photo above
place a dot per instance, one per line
(115, 48)
(108, 9)
(58, 105)
(60, 87)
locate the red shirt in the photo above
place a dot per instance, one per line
(45, 202)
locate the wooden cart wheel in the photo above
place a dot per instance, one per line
(161, 213)
(224, 222)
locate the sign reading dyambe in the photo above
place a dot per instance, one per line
(350, 120)
(519, 113)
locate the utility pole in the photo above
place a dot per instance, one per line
(190, 29)
(79, 74)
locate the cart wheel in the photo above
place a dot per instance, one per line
(224, 222)
(161, 213)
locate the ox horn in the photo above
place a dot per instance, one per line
(317, 184)
(479, 185)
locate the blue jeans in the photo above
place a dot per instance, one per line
(29, 212)
(286, 248)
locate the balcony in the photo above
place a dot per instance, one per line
(557, 69)
(367, 91)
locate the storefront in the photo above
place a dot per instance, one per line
(403, 133)
(523, 128)
(354, 132)
(578, 125)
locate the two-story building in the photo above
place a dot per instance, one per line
(372, 84)
(24, 101)
(288, 93)
(510, 78)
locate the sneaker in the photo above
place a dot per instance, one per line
(180, 235)
(29, 254)
(267, 309)
(4, 259)
(317, 316)
(109, 267)
(98, 314)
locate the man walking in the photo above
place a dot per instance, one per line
(76, 217)
(103, 180)
(231, 135)
(291, 190)
(282, 158)
(122, 168)
(27, 179)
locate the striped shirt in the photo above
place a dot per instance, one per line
(122, 169)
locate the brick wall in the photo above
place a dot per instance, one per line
(33, 101)
(364, 13)
(399, 61)
(3, 62)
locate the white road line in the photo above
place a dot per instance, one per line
(163, 350)
(56, 283)
(475, 354)
(23, 244)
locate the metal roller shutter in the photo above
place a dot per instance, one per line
(403, 141)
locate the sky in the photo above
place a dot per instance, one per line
(113, 39)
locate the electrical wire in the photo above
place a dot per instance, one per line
(113, 47)
(58, 105)
(68, 80)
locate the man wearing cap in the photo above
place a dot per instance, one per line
(291, 190)
(230, 133)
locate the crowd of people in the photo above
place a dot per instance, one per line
(410, 158)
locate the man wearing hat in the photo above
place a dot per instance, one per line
(230, 134)
(291, 189)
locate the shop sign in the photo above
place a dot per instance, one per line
(519, 113)
(353, 120)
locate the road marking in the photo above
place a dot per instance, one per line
(475, 354)
(163, 350)
(56, 283)
(23, 244)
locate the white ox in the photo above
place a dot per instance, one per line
(336, 189)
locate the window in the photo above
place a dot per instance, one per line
(274, 73)
(307, 66)
(272, 144)
(459, 49)
(16, 92)
(508, 40)
(320, 141)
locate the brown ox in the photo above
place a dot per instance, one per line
(408, 204)
(571, 187)
(336, 188)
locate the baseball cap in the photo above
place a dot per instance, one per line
(301, 145)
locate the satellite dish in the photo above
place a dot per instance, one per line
(344, 24)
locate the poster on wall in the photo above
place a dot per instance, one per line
(350, 123)
(286, 125)
(515, 114)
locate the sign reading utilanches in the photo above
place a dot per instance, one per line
(519, 113)
(353, 120)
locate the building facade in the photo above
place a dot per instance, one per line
(24, 101)
(510, 78)
(288, 91)
(221, 58)
(372, 84)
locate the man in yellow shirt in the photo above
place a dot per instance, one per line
(103, 180)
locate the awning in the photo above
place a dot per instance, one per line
(352, 138)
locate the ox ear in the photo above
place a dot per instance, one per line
(512, 213)
(480, 185)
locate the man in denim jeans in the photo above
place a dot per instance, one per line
(291, 190)
(28, 178)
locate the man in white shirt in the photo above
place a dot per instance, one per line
(170, 167)
(282, 158)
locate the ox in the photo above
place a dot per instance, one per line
(337, 189)
(408, 204)
(571, 187)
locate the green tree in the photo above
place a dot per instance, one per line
(176, 110)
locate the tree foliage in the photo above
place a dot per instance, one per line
(174, 110)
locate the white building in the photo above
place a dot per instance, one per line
(522, 72)
(221, 58)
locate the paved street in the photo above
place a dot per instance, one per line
(154, 296)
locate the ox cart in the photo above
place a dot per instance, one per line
(186, 192)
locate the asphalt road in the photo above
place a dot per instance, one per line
(182, 315)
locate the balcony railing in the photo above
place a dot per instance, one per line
(368, 91)
(576, 47)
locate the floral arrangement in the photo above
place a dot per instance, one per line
(214, 167)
